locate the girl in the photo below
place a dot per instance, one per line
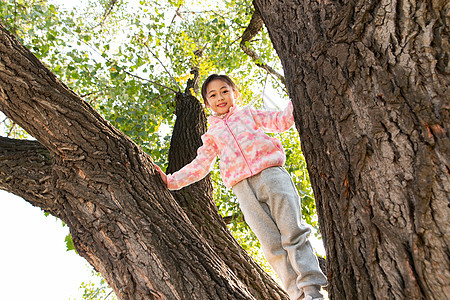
(251, 164)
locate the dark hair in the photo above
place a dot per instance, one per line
(212, 77)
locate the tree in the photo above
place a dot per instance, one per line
(374, 128)
(369, 82)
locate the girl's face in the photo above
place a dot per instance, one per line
(220, 96)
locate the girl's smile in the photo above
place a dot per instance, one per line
(220, 96)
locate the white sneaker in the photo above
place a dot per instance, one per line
(311, 298)
(312, 293)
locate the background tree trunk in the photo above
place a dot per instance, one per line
(370, 87)
(121, 217)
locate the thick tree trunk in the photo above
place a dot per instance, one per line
(370, 86)
(122, 218)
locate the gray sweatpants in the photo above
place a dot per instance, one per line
(270, 204)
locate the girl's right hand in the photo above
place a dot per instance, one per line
(162, 174)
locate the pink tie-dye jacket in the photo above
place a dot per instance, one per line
(240, 142)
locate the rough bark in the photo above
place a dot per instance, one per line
(370, 86)
(121, 217)
(26, 169)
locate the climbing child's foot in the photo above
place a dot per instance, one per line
(312, 293)
(310, 298)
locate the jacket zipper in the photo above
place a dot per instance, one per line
(239, 146)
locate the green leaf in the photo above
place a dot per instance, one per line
(69, 243)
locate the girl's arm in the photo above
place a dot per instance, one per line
(274, 121)
(195, 170)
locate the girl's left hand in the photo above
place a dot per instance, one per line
(162, 174)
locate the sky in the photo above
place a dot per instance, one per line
(34, 262)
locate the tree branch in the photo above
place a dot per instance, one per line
(26, 171)
(161, 63)
(107, 12)
(250, 32)
(34, 98)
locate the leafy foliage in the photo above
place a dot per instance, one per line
(97, 289)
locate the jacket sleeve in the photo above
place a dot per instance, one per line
(274, 121)
(197, 169)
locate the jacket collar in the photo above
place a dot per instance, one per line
(212, 119)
